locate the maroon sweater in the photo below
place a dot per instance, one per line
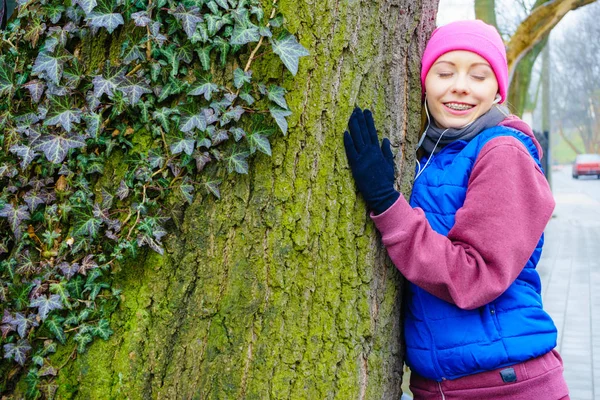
(507, 206)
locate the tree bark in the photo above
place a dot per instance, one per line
(282, 289)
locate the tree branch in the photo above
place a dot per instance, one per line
(540, 22)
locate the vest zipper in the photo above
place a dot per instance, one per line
(441, 391)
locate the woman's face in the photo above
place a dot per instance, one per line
(460, 87)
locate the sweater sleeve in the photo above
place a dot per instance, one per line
(507, 206)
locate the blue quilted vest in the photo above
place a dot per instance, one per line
(444, 341)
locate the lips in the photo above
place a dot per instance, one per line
(459, 106)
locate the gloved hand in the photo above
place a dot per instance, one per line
(372, 166)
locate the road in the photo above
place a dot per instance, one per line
(570, 271)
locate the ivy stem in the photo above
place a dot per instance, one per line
(137, 218)
(260, 40)
(134, 70)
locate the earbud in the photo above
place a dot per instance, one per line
(497, 99)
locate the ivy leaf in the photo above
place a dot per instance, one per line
(141, 18)
(134, 89)
(88, 264)
(240, 77)
(94, 288)
(82, 339)
(131, 53)
(35, 87)
(213, 187)
(238, 133)
(33, 199)
(114, 76)
(86, 5)
(214, 23)
(15, 217)
(276, 94)
(289, 50)
(243, 34)
(62, 113)
(56, 147)
(94, 124)
(260, 143)
(54, 325)
(265, 32)
(17, 351)
(279, 116)
(184, 145)
(25, 152)
(188, 192)
(110, 21)
(201, 159)
(223, 46)
(237, 162)
(47, 65)
(22, 323)
(46, 304)
(233, 114)
(188, 19)
(88, 226)
(222, 3)
(122, 191)
(204, 55)
(189, 122)
(7, 80)
(247, 97)
(277, 21)
(162, 116)
(61, 290)
(54, 12)
(205, 87)
(102, 329)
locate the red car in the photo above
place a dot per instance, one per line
(586, 164)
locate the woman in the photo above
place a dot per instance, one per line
(471, 236)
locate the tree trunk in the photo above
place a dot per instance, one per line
(485, 10)
(282, 289)
(519, 86)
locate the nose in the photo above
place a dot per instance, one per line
(461, 84)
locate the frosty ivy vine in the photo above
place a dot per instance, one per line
(63, 115)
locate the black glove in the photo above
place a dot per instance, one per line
(372, 166)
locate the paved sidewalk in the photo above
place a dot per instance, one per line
(570, 272)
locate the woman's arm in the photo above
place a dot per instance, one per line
(507, 206)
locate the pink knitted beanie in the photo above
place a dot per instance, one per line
(469, 35)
